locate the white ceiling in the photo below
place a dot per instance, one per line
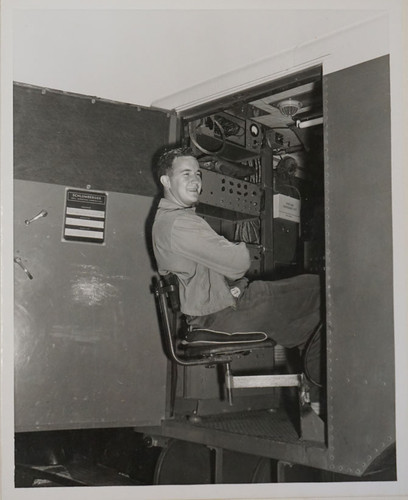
(140, 56)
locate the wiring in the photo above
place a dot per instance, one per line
(294, 188)
(193, 139)
(313, 339)
(229, 127)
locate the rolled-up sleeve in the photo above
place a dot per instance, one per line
(196, 240)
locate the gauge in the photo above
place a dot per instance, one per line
(254, 129)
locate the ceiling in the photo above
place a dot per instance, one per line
(142, 55)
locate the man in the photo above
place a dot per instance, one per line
(214, 294)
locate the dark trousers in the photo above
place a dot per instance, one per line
(287, 310)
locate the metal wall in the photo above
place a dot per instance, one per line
(88, 350)
(86, 332)
(76, 140)
(360, 333)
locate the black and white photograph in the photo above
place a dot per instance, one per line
(203, 249)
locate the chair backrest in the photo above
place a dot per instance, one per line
(167, 291)
(171, 285)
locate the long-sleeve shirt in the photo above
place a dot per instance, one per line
(186, 245)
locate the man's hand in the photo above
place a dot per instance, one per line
(238, 286)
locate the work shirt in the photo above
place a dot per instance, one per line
(186, 245)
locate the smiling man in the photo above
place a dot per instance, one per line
(214, 293)
(185, 244)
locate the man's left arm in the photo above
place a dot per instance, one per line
(197, 241)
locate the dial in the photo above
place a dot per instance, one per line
(254, 130)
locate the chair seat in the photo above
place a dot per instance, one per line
(213, 350)
(212, 337)
(209, 343)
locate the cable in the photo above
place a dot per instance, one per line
(230, 128)
(293, 187)
(203, 150)
(309, 344)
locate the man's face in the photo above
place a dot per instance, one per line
(183, 185)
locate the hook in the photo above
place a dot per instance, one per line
(18, 261)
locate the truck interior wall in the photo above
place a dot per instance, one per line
(86, 325)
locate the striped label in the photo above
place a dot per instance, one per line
(85, 214)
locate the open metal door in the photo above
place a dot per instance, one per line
(360, 333)
(87, 341)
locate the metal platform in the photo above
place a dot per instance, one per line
(265, 433)
(266, 424)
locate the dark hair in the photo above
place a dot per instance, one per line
(166, 159)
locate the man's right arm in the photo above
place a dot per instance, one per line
(193, 238)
